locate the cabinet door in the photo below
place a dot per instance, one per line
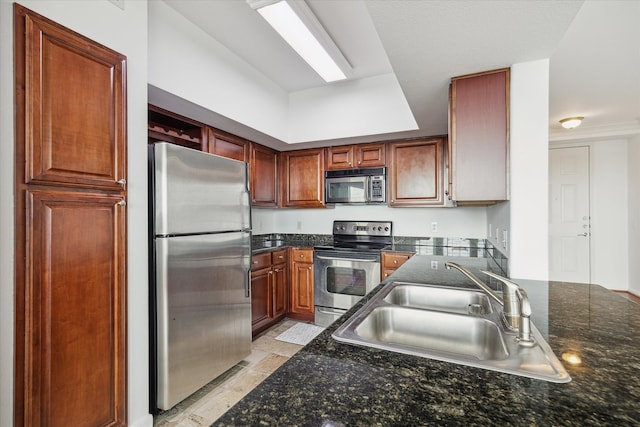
(370, 155)
(303, 176)
(391, 261)
(75, 358)
(261, 302)
(279, 289)
(416, 173)
(341, 157)
(227, 145)
(479, 120)
(302, 288)
(264, 176)
(76, 119)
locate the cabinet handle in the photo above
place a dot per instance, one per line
(583, 235)
(280, 256)
(122, 182)
(276, 270)
(395, 261)
(255, 262)
(122, 203)
(359, 162)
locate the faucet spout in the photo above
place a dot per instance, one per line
(479, 283)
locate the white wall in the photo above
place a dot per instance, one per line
(466, 222)
(634, 214)
(186, 62)
(126, 32)
(369, 106)
(499, 223)
(529, 164)
(609, 214)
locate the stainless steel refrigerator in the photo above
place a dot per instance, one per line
(200, 255)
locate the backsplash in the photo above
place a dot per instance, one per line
(443, 246)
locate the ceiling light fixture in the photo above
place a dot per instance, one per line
(571, 122)
(299, 27)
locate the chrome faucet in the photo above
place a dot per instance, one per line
(516, 308)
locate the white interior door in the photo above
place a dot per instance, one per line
(569, 220)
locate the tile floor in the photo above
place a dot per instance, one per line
(209, 403)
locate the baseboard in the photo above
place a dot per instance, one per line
(629, 295)
(146, 421)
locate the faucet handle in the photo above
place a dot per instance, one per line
(510, 300)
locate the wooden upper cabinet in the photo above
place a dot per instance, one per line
(227, 145)
(479, 137)
(264, 176)
(167, 126)
(416, 176)
(356, 156)
(303, 178)
(74, 133)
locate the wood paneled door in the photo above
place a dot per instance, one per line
(70, 328)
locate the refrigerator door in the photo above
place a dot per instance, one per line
(204, 310)
(197, 192)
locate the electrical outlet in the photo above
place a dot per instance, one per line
(434, 265)
(434, 226)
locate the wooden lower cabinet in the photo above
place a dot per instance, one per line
(301, 297)
(269, 289)
(391, 261)
(75, 345)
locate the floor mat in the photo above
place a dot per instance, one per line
(300, 333)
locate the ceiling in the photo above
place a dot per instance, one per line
(592, 45)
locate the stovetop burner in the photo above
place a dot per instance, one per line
(360, 235)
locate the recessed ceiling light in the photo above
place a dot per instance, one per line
(300, 28)
(571, 122)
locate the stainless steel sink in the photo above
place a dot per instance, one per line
(438, 298)
(438, 331)
(436, 322)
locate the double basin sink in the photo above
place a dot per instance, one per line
(454, 325)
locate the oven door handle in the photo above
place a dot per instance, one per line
(348, 259)
(330, 311)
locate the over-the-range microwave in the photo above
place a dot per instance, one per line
(355, 186)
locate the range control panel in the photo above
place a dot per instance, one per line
(362, 228)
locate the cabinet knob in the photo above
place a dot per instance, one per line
(359, 162)
(122, 203)
(255, 262)
(122, 182)
(301, 256)
(395, 261)
(309, 268)
(276, 270)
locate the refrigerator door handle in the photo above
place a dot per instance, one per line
(247, 288)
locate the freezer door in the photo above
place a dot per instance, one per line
(203, 310)
(198, 192)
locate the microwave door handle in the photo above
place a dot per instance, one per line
(367, 190)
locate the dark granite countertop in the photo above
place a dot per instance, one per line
(328, 383)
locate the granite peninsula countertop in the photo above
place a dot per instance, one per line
(328, 383)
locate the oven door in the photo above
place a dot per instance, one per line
(342, 278)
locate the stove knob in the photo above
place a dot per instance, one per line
(379, 228)
(386, 229)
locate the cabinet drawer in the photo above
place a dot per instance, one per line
(260, 261)
(279, 256)
(394, 259)
(302, 255)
